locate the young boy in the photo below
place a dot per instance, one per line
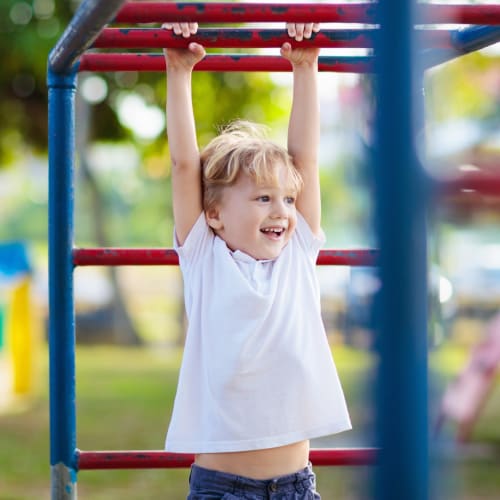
(257, 380)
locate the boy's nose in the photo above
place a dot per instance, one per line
(279, 210)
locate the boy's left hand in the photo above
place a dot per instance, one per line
(184, 29)
(299, 31)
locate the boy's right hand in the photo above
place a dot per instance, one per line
(183, 58)
(300, 55)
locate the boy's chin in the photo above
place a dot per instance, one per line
(270, 255)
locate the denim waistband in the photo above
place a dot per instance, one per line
(224, 482)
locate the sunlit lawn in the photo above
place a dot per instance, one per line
(124, 398)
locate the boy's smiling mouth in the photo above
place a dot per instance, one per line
(273, 232)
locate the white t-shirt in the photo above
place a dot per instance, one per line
(257, 370)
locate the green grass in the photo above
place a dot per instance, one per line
(124, 400)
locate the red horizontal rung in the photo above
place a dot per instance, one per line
(139, 38)
(93, 460)
(232, 12)
(343, 456)
(168, 257)
(235, 62)
(125, 257)
(487, 184)
(461, 14)
(229, 38)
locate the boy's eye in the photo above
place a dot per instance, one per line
(290, 200)
(264, 198)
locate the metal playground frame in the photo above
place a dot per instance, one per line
(400, 196)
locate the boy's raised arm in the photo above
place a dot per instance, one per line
(181, 130)
(303, 129)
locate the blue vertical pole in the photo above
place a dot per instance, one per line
(61, 98)
(401, 314)
(87, 23)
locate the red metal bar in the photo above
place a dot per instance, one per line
(230, 38)
(232, 12)
(168, 257)
(140, 38)
(156, 62)
(357, 258)
(93, 460)
(344, 456)
(461, 14)
(125, 257)
(156, 12)
(482, 183)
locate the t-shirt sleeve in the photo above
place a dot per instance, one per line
(195, 244)
(308, 241)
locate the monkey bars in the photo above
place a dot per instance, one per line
(400, 197)
(438, 45)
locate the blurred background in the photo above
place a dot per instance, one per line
(130, 320)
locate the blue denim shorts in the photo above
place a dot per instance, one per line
(206, 484)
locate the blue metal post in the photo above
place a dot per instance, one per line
(401, 313)
(61, 310)
(87, 23)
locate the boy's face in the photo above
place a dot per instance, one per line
(254, 218)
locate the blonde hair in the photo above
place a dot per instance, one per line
(242, 147)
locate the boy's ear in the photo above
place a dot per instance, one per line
(213, 219)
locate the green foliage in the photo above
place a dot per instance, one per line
(23, 205)
(28, 31)
(466, 87)
(136, 211)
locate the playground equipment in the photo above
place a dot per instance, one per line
(465, 396)
(401, 194)
(16, 322)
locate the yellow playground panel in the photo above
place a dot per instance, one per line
(17, 325)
